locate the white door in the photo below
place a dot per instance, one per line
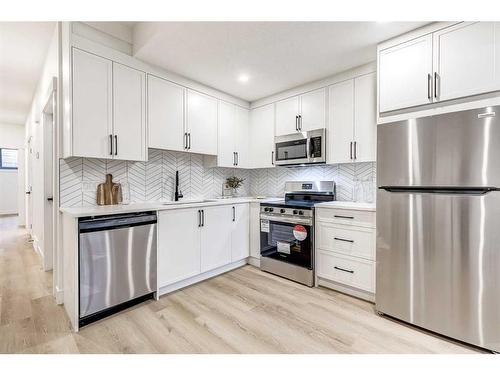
(129, 113)
(313, 110)
(286, 116)
(406, 74)
(92, 112)
(178, 245)
(227, 123)
(165, 114)
(241, 137)
(261, 135)
(467, 59)
(216, 237)
(365, 118)
(340, 132)
(240, 236)
(202, 123)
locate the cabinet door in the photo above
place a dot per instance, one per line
(216, 237)
(286, 112)
(365, 118)
(165, 114)
(240, 236)
(227, 124)
(255, 230)
(262, 137)
(129, 113)
(404, 71)
(313, 110)
(178, 246)
(92, 112)
(202, 123)
(467, 59)
(241, 137)
(341, 124)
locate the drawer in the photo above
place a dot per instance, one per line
(346, 239)
(354, 272)
(346, 217)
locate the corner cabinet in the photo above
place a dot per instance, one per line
(108, 109)
(352, 129)
(261, 136)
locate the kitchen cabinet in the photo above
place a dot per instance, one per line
(179, 245)
(466, 60)
(233, 150)
(352, 132)
(261, 136)
(215, 237)
(129, 113)
(240, 232)
(92, 112)
(201, 123)
(255, 231)
(301, 113)
(165, 114)
(108, 109)
(405, 74)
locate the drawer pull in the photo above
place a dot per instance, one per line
(343, 239)
(343, 269)
(344, 217)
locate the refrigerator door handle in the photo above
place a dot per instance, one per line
(440, 190)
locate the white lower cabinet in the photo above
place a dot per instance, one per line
(195, 241)
(345, 250)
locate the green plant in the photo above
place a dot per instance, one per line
(234, 182)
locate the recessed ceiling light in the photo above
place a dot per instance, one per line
(243, 78)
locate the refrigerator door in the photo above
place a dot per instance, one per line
(438, 262)
(455, 149)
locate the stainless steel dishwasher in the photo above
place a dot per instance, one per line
(117, 263)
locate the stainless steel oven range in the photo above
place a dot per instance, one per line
(287, 230)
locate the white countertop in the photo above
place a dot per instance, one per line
(156, 206)
(360, 206)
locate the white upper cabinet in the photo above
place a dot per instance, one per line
(287, 112)
(129, 113)
(201, 123)
(92, 112)
(165, 114)
(313, 110)
(227, 122)
(365, 118)
(340, 133)
(352, 131)
(467, 60)
(241, 133)
(240, 235)
(261, 136)
(406, 74)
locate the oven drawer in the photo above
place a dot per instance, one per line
(346, 217)
(354, 272)
(346, 239)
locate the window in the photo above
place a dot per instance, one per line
(8, 158)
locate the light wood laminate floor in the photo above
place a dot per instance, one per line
(243, 311)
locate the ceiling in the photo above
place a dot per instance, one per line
(275, 56)
(23, 47)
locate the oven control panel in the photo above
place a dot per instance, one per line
(289, 211)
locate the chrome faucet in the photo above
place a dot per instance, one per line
(178, 193)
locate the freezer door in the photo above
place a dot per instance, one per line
(455, 149)
(116, 266)
(438, 263)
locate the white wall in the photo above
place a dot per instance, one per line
(11, 136)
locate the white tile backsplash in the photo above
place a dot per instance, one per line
(154, 180)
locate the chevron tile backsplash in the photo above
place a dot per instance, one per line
(154, 180)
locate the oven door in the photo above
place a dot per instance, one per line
(287, 241)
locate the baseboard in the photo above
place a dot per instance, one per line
(59, 296)
(254, 261)
(201, 277)
(367, 296)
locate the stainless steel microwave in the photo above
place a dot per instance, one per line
(300, 148)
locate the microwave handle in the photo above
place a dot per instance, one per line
(311, 147)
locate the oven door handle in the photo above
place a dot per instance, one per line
(287, 220)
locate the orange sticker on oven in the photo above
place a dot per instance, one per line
(299, 232)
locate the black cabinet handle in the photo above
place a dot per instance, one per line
(50, 199)
(237, 158)
(234, 213)
(116, 145)
(343, 269)
(272, 157)
(429, 84)
(189, 141)
(300, 122)
(199, 218)
(343, 217)
(343, 239)
(111, 144)
(202, 218)
(297, 123)
(436, 77)
(350, 151)
(355, 150)
(185, 141)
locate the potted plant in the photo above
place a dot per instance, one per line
(234, 183)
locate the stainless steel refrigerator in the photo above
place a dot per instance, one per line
(438, 224)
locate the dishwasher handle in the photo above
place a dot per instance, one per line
(115, 222)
